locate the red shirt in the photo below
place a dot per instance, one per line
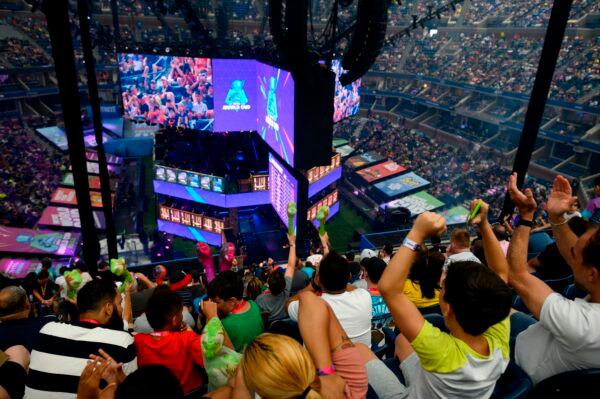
(178, 351)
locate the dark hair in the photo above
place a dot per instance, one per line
(426, 271)
(162, 306)
(388, 248)
(150, 382)
(46, 263)
(254, 288)
(82, 266)
(478, 250)
(578, 225)
(195, 276)
(354, 269)
(276, 283)
(63, 269)
(226, 285)
(350, 256)
(500, 232)
(591, 251)
(43, 274)
(597, 181)
(477, 295)
(12, 300)
(95, 294)
(374, 268)
(333, 272)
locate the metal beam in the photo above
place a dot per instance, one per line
(57, 17)
(539, 94)
(88, 57)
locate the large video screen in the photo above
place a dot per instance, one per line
(347, 98)
(235, 94)
(173, 91)
(275, 111)
(283, 188)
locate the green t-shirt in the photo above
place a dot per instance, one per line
(242, 328)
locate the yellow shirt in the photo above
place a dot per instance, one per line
(413, 291)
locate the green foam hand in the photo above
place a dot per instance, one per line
(291, 211)
(118, 268)
(220, 362)
(74, 280)
(322, 217)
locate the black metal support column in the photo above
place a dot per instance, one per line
(539, 94)
(57, 17)
(88, 57)
(114, 8)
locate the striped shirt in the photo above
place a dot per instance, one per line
(62, 352)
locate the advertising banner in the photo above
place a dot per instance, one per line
(38, 242)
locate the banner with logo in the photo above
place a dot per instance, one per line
(93, 181)
(416, 203)
(19, 268)
(380, 171)
(39, 242)
(67, 196)
(60, 216)
(401, 184)
(365, 159)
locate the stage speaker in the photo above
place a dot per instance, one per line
(313, 131)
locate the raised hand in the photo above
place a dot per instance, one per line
(561, 198)
(113, 373)
(523, 200)
(428, 224)
(209, 308)
(89, 382)
(482, 215)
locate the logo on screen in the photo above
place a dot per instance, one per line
(272, 113)
(236, 99)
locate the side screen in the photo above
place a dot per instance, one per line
(275, 112)
(283, 188)
(347, 98)
(172, 91)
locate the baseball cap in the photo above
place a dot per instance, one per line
(367, 253)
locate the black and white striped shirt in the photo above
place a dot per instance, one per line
(62, 352)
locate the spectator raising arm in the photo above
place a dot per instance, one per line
(532, 290)
(391, 286)
(325, 243)
(491, 247)
(560, 201)
(292, 260)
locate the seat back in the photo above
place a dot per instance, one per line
(513, 384)
(563, 385)
(572, 292)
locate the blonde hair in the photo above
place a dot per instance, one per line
(278, 367)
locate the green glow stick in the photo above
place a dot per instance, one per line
(291, 213)
(322, 217)
(475, 211)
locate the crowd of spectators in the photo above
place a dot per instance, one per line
(455, 174)
(308, 325)
(29, 172)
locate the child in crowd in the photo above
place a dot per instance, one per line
(242, 319)
(172, 344)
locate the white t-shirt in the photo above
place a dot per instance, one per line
(566, 338)
(353, 310)
(62, 283)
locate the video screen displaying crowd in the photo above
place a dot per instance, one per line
(470, 319)
(172, 91)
